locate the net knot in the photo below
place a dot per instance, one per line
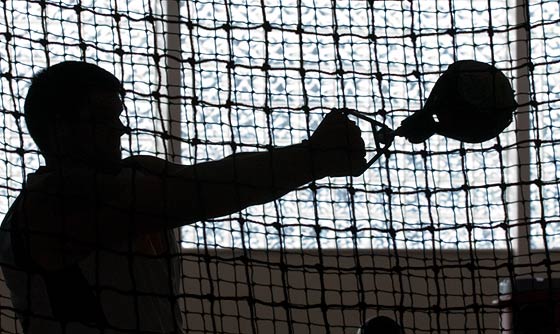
(119, 52)
(267, 26)
(150, 18)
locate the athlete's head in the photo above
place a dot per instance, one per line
(72, 113)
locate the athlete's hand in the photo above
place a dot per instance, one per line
(337, 146)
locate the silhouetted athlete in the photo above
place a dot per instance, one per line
(87, 246)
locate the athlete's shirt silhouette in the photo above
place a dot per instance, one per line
(87, 246)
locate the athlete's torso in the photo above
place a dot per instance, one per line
(134, 285)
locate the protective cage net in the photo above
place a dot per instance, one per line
(435, 235)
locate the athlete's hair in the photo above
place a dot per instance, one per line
(58, 92)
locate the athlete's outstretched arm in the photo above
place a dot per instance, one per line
(226, 186)
(152, 195)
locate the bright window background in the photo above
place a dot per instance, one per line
(545, 120)
(268, 107)
(244, 87)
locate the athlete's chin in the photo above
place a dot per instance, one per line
(109, 162)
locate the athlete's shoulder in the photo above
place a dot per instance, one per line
(152, 165)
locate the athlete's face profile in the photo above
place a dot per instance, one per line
(94, 134)
(103, 121)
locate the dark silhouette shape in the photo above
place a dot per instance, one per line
(381, 325)
(473, 102)
(88, 244)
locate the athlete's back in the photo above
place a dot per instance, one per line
(132, 287)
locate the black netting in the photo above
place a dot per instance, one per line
(435, 235)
